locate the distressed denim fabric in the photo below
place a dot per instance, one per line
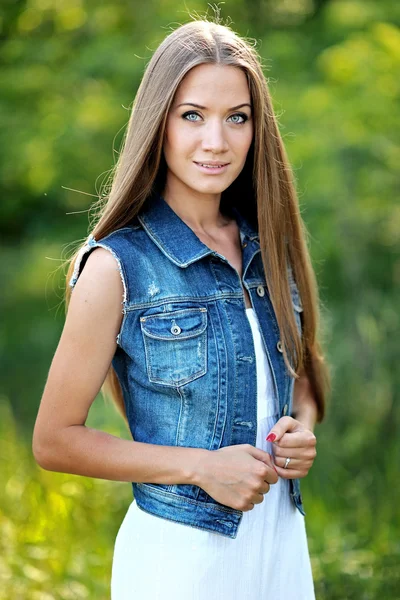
(185, 356)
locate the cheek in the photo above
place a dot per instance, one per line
(177, 133)
(242, 149)
(169, 135)
(177, 143)
(241, 142)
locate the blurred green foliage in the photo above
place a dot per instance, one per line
(69, 73)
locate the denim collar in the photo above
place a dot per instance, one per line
(176, 239)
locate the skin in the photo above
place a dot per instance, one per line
(237, 476)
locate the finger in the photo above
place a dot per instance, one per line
(268, 460)
(296, 464)
(272, 476)
(297, 439)
(307, 453)
(280, 428)
(258, 499)
(291, 473)
(284, 453)
(264, 489)
(259, 454)
(281, 462)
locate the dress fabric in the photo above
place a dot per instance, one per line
(268, 560)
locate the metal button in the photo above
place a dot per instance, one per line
(279, 346)
(260, 290)
(285, 409)
(244, 245)
(175, 329)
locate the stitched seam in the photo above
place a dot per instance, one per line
(218, 385)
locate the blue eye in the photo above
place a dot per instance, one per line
(187, 114)
(243, 116)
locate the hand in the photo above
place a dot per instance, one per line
(237, 476)
(292, 439)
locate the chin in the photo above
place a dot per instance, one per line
(208, 191)
(211, 188)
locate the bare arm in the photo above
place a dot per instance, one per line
(61, 440)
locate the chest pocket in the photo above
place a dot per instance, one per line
(175, 345)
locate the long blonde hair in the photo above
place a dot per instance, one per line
(264, 191)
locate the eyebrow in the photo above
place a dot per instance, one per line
(205, 107)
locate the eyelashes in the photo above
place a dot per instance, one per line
(193, 112)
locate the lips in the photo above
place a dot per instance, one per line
(211, 165)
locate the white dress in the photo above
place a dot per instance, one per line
(268, 560)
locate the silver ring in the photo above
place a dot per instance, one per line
(287, 461)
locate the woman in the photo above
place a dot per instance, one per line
(195, 299)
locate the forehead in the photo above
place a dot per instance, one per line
(213, 84)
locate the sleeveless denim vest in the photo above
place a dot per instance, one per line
(185, 355)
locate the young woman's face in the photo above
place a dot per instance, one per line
(210, 121)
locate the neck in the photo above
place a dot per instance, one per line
(200, 212)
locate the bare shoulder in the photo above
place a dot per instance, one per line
(99, 282)
(100, 265)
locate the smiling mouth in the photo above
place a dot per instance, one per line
(212, 166)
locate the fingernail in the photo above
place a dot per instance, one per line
(271, 437)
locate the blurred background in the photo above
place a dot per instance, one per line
(69, 72)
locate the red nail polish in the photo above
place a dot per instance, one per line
(271, 437)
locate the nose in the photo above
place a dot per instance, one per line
(214, 139)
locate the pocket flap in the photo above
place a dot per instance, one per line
(175, 325)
